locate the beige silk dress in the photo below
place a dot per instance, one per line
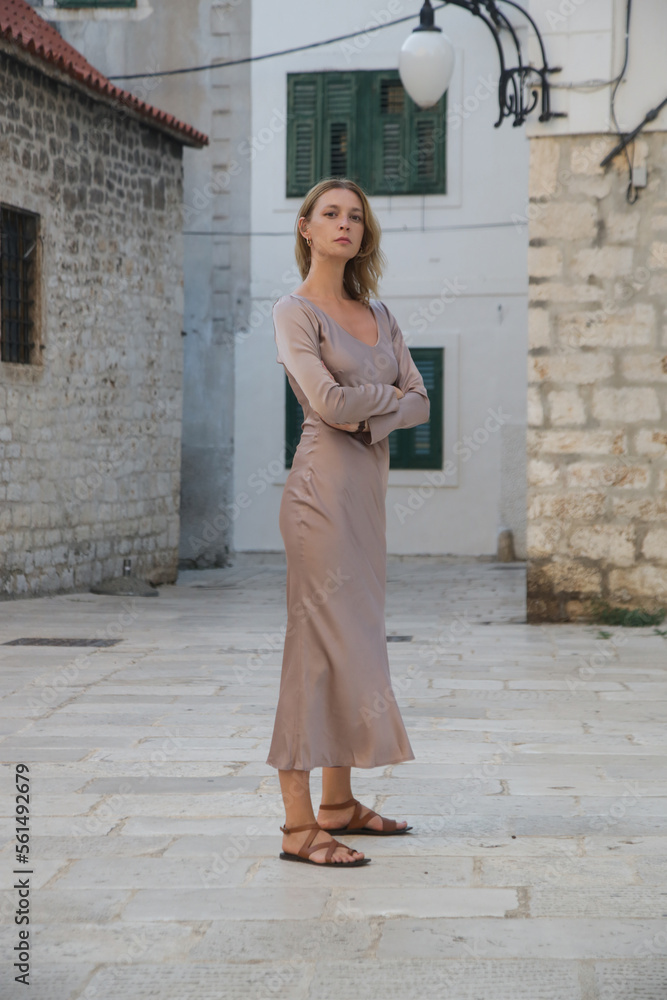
(336, 705)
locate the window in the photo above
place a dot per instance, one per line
(362, 124)
(294, 417)
(421, 447)
(96, 3)
(409, 448)
(18, 282)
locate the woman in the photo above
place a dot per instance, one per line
(348, 365)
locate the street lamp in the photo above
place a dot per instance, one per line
(426, 63)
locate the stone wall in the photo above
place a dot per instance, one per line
(90, 434)
(216, 223)
(597, 440)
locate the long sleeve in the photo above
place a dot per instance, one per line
(298, 350)
(414, 407)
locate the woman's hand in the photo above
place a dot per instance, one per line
(350, 428)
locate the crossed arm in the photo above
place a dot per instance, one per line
(374, 409)
(363, 424)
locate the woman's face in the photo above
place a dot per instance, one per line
(336, 225)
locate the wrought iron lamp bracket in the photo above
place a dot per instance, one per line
(520, 87)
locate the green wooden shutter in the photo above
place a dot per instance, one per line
(293, 419)
(362, 124)
(389, 173)
(395, 450)
(408, 142)
(427, 143)
(303, 131)
(339, 134)
(323, 121)
(421, 447)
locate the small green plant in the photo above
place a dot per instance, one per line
(607, 614)
(603, 635)
(662, 632)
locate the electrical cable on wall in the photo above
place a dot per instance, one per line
(631, 192)
(599, 84)
(270, 55)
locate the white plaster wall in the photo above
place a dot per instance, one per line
(586, 38)
(473, 246)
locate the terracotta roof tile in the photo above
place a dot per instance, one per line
(23, 26)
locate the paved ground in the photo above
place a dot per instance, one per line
(537, 869)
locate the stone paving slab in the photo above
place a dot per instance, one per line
(145, 872)
(573, 826)
(424, 901)
(468, 979)
(305, 941)
(637, 980)
(163, 785)
(56, 805)
(93, 846)
(275, 903)
(147, 981)
(515, 939)
(557, 870)
(155, 817)
(653, 870)
(641, 901)
(57, 981)
(390, 872)
(80, 906)
(113, 942)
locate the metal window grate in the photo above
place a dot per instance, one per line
(61, 642)
(96, 3)
(18, 245)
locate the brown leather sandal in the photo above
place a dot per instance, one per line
(359, 817)
(306, 849)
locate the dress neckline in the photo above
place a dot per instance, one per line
(358, 340)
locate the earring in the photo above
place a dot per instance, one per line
(309, 241)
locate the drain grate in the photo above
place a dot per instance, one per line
(61, 642)
(399, 638)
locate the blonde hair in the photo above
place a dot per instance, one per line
(362, 272)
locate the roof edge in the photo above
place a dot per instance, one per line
(122, 101)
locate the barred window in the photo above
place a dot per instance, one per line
(18, 283)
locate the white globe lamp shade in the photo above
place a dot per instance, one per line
(426, 64)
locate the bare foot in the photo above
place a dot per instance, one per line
(342, 855)
(334, 819)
